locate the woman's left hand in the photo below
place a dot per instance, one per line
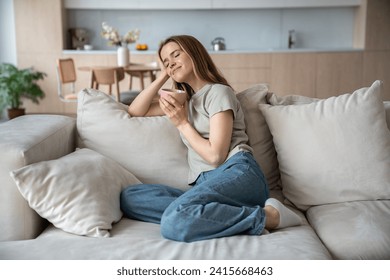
(176, 112)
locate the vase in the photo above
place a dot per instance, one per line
(123, 55)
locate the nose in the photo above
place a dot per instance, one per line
(172, 64)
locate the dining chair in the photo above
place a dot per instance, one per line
(111, 77)
(66, 76)
(142, 75)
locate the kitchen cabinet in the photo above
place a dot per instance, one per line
(338, 73)
(376, 66)
(205, 4)
(281, 4)
(244, 70)
(137, 4)
(314, 74)
(293, 73)
(325, 74)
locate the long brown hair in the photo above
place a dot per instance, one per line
(204, 66)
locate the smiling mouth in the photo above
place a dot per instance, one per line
(174, 70)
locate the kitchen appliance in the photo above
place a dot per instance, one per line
(292, 39)
(218, 44)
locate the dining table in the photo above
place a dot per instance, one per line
(139, 70)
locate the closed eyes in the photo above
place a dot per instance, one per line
(174, 54)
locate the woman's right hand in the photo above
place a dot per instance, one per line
(176, 112)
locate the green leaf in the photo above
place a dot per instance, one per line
(16, 84)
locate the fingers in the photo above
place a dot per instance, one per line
(169, 100)
(172, 109)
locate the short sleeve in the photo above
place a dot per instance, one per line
(220, 99)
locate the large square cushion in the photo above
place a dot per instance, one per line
(333, 150)
(149, 147)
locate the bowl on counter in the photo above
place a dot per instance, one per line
(88, 47)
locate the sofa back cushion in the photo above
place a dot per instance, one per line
(149, 147)
(260, 138)
(333, 150)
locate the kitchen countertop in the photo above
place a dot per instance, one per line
(269, 50)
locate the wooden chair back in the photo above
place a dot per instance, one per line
(66, 74)
(67, 70)
(110, 76)
(141, 75)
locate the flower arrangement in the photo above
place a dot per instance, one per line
(113, 37)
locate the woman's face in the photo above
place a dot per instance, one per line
(177, 63)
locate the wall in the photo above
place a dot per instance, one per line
(242, 29)
(7, 38)
(7, 31)
(39, 26)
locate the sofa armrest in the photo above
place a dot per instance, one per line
(23, 141)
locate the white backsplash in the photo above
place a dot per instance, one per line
(242, 29)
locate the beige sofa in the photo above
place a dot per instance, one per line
(329, 160)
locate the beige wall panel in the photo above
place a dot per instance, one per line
(38, 26)
(39, 40)
(51, 103)
(293, 73)
(377, 67)
(338, 73)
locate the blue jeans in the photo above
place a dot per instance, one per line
(226, 201)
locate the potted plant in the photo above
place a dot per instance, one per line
(16, 84)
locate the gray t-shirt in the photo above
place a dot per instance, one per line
(212, 99)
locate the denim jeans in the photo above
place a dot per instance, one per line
(226, 201)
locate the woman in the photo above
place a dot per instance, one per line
(229, 193)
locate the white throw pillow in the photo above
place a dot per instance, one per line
(78, 193)
(149, 147)
(333, 150)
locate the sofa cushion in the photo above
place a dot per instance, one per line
(136, 240)
(354, 230)
(260, 138)
(149, 147)
(333, 150)
(78, 193)
(387, 108)
(274, 99)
